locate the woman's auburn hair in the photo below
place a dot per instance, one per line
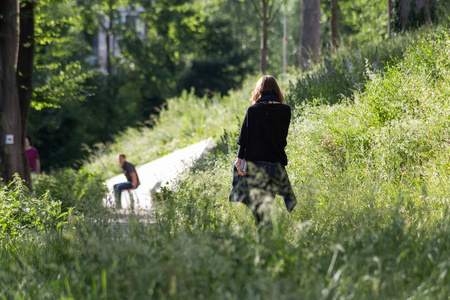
(266, 84)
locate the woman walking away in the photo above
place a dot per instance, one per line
(259, 171)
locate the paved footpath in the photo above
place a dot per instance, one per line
(156, 174)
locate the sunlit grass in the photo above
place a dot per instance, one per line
(370, 172)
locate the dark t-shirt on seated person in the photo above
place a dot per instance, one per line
(128, 168)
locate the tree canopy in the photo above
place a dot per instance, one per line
(103, 65)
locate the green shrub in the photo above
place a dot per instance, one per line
(80, 190)
(20, 211)
(347, 71)
(371, 175)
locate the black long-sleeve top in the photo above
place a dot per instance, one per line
(264, 132)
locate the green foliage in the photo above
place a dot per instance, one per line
(60, 68)
(59, 82)
(370, 172)
(220, 64)
(185, 120)
(411, 85)
(183, 48)
(353, 29)
(21, 212)
(82, 191)
(193, 44)
(63, 85)
(387, 144)
(443, 7)
(346, 71)
(61, 137)
(373, 213)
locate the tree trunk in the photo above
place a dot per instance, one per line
(410, 10)
(389, 12)
(427, 6)
(310, 33)
(334, 24)
(25, 72)
(264, 37)
(108, 86)
(404, 12)
(267, 14)
(11, 145)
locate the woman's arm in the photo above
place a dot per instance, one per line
(242, 142)
(242, 139)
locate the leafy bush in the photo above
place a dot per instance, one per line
(80, 190)
(20, 211)
(347, 71)
(371, 175)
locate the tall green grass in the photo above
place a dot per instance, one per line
(345, 71)
(371, 175)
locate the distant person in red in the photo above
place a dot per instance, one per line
(33, 158)
(132, 179)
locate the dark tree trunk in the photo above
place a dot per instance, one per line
(414, 13)
(310, 33)
(389, 12)
(334, 24)
(11, 145)
(25, 72)
(264, 37)
(404, 12)
(109, 70)
(108, 84)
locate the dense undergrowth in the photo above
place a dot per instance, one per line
(370, 171)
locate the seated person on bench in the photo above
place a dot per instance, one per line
(132, 180)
